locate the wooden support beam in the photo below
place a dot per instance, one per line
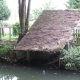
(28, 58)
(0, 33)
(55, 60)
(10, 33)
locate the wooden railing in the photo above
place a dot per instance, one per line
(1, 32)
(76, 36)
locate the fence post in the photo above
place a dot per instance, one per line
(76, 34)
(0, 33)
(28, 57)
(10, 33)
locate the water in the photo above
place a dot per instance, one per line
(27, 72)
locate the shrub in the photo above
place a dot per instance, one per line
(16, 29)
(72, 57)
(4, 48)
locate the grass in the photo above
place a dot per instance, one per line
(7, 37)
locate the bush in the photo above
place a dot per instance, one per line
(16, 28)
(4, 48)
(71, 57)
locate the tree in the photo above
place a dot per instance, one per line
(73, 4)
(4, 13)
(23, 18)
(4, 10)
(37, 12)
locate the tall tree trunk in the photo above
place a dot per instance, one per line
(20, 6)
(27, 18)
(22, 18)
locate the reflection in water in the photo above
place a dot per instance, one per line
(19, 72)
(8, 77)
(43, 71)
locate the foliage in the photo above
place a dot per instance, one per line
(4, 11)
(72, 57)
(16, 29)
(37, 12)
(73, 4)
(4, 48)
(29, 26)
(4, 23)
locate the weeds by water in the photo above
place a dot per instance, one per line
(71, 57)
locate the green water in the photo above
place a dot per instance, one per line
(27, 72)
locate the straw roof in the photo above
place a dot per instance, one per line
(50, 31)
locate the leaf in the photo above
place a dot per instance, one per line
(68, 64)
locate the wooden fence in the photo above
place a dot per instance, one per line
(1, 28)
(76, 36)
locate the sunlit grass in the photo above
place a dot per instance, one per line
(7, 37)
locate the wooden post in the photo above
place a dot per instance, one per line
(0, 33)
(28, 56)
(10, 33)
(3, 30)
(61, 65)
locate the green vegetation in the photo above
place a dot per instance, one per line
(72, 57)
(5, 48)
(4, 14)
(30, 25)
(4, 10)
(16, 28)
(37, 12)
(7, 37)
(73, 4)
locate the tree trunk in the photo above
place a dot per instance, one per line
(27, 18)
(20, 5)
(22, 18)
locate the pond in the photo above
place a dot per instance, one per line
(37, 72)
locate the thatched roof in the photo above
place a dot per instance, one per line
(50, 31)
